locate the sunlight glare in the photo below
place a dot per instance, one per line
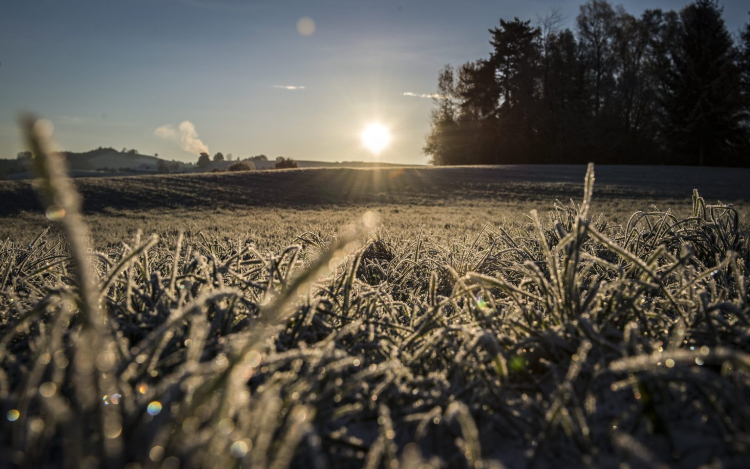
(375, 138)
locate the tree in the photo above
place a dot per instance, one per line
(633, 100)
(515, 62)
(662, 88)
(162, 166)
(203, 160)
(744, 64)
(700, 90)
(241, 166)
(229, 157)
(24, 156)
(596, 36)
(564, 104)
(443, 142)
(219, 157)
(283, 163)
(516, 66)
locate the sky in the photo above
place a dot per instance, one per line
(296, 78)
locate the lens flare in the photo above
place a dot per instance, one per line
(306, 26)
(154, 407)
(375, 138)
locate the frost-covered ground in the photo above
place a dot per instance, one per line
(448, 324)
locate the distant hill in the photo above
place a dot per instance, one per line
(101, 162)
(109, 158)
(108, 162)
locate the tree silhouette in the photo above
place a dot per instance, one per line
(241, 166)
(162, 166)
(596, 32)
(219, 157)
(664, 87)
(443, 141)
(636, 87)
(282, 163)
(744, 65)
(563, 102)
(700, 89)
(203, 160)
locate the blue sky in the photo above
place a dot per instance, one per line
(110, 73)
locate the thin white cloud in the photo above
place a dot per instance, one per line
(289, 87)
(423, 95)
(185, 135)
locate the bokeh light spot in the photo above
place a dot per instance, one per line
(306, 26)
(55, 212)
(239, 449)
(154, 408)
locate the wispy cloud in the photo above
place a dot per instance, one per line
(184, 134)
(423, 95)
(289, 87)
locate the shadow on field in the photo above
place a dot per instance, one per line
(306, 188)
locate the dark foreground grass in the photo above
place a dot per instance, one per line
(562, 341)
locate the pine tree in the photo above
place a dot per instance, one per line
(700, 88)
(744, 64)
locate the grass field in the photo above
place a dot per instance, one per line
(273, 207)
(446, 326)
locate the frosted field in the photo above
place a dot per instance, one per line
(455, 317)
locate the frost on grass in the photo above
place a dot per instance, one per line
(561, 343)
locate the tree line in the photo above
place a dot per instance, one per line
(204, 160)
(663, 88)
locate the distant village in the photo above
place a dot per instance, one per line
(109, 162)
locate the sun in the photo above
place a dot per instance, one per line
(376, 137)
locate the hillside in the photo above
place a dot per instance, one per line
(109, 158)
(108, 162)
(98, 163)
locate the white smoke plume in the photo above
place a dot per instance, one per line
(185, 134)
